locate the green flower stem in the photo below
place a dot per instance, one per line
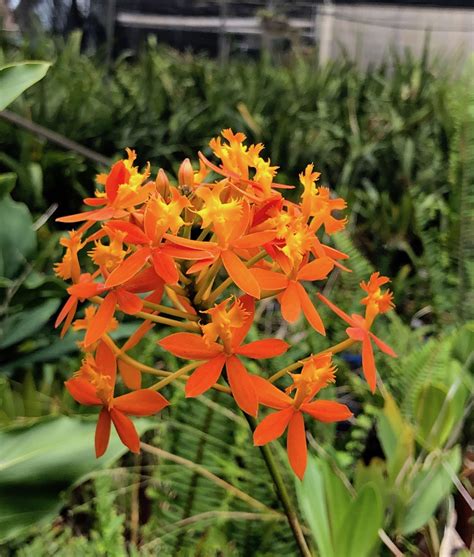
(282, 494)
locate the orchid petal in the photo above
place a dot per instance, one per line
(296, 444)
(204, 377)
(272, 426)
(128, 268)
(269, 395)
(290, 302)
(240, 274)
(101, 320)
(102, 433)
(143, 402)
(242, 386)
(190, 346)
(126, 430)
(327, 411)
(267, 348)
(310, 312)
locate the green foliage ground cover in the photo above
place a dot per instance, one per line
(397, 142)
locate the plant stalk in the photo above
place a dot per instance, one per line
(333, 349)
(282, 494)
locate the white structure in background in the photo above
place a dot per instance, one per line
(364, 31)
(369, 31)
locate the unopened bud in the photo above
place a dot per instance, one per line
(186, 174)
(162, 183)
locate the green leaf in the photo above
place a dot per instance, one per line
(396, 436)
(375, 472)
(22, 325)
(430, 487)
(35, 180)
(312, 501)
(16, 78)
(7, 183)
(39, 462)
(17, 236)
(338, 498)
(433, 416)
(358, 535)
(438, 409)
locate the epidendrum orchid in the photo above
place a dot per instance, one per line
(197, 256)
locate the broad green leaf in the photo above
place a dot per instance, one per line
(396, 436)
(439, 408)
(338, 497)
(39, 462)
(60, 348)
(312, 501)
(375, 472)
(463, 343)
(7, 183)
(435, 414)
(35, 181)
(22, 325)
(430, 487)
(358, 535)
(17, 237)
(16, 78)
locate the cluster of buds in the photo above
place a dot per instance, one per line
(197, 256)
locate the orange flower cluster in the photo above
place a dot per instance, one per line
(178, 255)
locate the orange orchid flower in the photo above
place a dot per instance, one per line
(165, 251)
(159, 217)
(359, 330)
(68, 311)
(318, 204)
(231, 327)
(236, 161)
(317, 372)
(123, 191)
(292, 295)
(94, 386)
(230, 221)
(69, 267)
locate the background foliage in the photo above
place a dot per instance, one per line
(397, 141)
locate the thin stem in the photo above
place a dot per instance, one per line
(194, 327)
(174, 298)
(171, 311)
(206, 280)
(151, 370)
(333, 349)
(282, 494)
(156, 318)
(228, 281)
(203, 234)
(178, 289)
(135, 363)
(183, 278)
(181, 371)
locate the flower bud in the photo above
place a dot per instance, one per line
(186, 174)
(162, 183)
